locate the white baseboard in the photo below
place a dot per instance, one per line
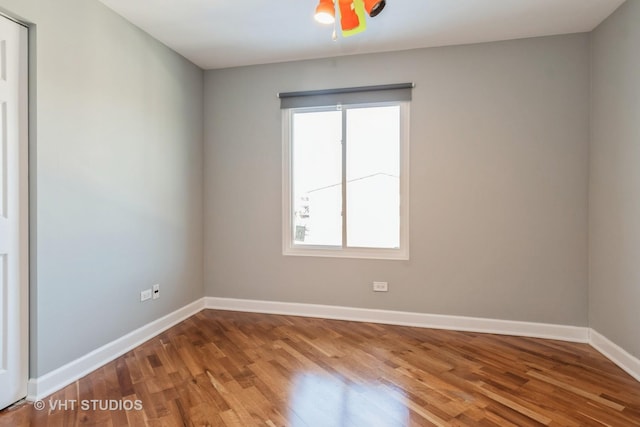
(51, 382)
(47, 384)
(615, 353)
(422, 320)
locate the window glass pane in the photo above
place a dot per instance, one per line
(373, 177)
(317, 178)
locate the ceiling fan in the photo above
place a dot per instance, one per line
(352, 14)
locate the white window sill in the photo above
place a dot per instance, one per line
(335, 252)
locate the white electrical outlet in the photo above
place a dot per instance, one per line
(145, 295)
(156, 291)
(380, 287)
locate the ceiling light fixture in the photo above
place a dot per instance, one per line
(352, 14)
(374, 7)
(325, 12)
(349, 19)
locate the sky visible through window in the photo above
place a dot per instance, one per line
(373, 170)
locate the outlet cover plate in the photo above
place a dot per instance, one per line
(380, 287)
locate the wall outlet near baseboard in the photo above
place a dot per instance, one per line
(380, 287)
(156, 291)
(145, 295)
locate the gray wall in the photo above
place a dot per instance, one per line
(614, 190)
(116, 154)
(499, 173)
(499, 163)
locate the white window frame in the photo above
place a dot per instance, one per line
(289, 247)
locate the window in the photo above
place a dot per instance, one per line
(345, 186)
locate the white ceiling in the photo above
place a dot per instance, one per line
(228, 33)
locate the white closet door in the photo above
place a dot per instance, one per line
(14, 254)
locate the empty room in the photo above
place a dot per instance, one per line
(320, 213)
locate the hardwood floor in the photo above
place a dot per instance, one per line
(240, 369)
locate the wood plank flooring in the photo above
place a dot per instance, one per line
(222, 368)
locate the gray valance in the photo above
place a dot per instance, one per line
(346, 96)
